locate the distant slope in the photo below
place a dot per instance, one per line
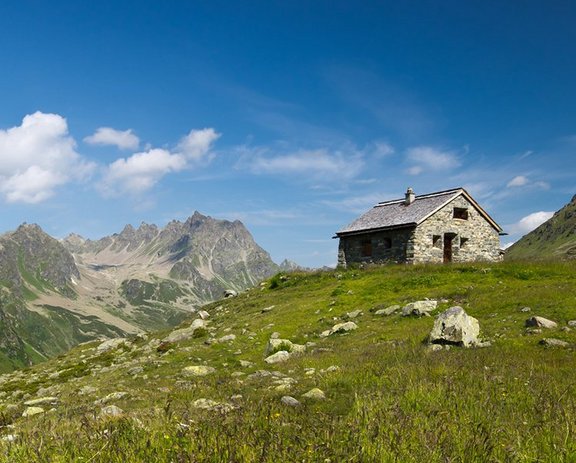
(555, 238)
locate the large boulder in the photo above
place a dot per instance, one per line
(455, 326)
(339, 328)
(183, 334)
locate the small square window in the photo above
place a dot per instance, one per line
(463, 242)
(437, 241)
(460, 213)
(386, 243)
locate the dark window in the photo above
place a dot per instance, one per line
(366, 248)
(386, 243)
(461, 213)
(437, 241)
(463, 242)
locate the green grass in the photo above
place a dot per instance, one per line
(389, 400)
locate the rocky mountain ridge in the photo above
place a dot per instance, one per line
(142, 278)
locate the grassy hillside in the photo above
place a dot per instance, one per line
(387, 396)
(554, 239)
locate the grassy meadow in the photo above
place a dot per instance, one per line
(388, 397)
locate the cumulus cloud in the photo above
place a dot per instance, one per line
(530, 222)
(38, 156)
(109, 136)
(316, 164)
(141, 171)
(427, 158)
(196, 145)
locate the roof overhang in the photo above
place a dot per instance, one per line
(374, 230)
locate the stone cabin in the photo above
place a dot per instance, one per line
(446, 226)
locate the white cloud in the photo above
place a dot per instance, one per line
(530, 222)
(38, 156)
(141, 171)
(196, 145)
(519, 180)
(381, 149)
(358, 204)
(316, 164)
(109, 136)
(427, 158)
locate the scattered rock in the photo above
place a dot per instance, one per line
(31, 411)
(455, 326)
(331, 369)
(183, 334)
(246, 363)
(267, 309)
(278, 357)
(227, 338)
(553, 342)
(198, 370)
(314, 394)
(572, 323)
(525, 309)
(9, 438)
(541, 322)
(212, 405)
(388, 310)
(41, 401)
(230, 293)
(419, 308)
(110, 397)
(339, 328)
(110, 344)
(112, 411)
(434, 347)
(353, 314)
(290, 401)
(275, 335)
(203, 314)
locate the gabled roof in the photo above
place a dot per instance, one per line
(398, 214)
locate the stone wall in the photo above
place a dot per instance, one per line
(472, 239)
(386, 247)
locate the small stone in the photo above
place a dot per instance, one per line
(230, 293)
(343, 327)
(354, 314)
(110, 397)
(275, 335)
(203, 314)
(227, 338)
(290, 401)
(110, 344)
(31, 411)
(332, 368)
(246, 363)
(572, 323)
(553, 342)
(419, 308)
(314, 394)
(112, 411)
(183, 334)
(525, 309)
(41, 401)
(198, 370)
(267, 309)
(278, 357)
(9, 438)
(541, 322)
(85, 390)
(388, 310)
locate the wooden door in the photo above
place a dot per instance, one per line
(448, 247)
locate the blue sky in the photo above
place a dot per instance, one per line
(294, 117)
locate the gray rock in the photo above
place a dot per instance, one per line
(212, 405)
(230, 293)
(42, 401)
(183, 334)
(31, 411)
(267, 309)
(290, 401)
(388, 310)
(353, 314)
(203, 314)
(110, 397)
(227, 338)
(110, 344)
(419, 308)
(343, 327)
(525, 309)
(553, 342)
(276, 344)
(198, 370)
(85, 390)
(455, 326)
(572, 323)
(275, 335)
(278, 357)
(112, 411)
(314, 394)
(540, 322)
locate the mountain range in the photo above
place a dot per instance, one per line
(55, 294)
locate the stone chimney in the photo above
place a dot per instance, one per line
(410, 196)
